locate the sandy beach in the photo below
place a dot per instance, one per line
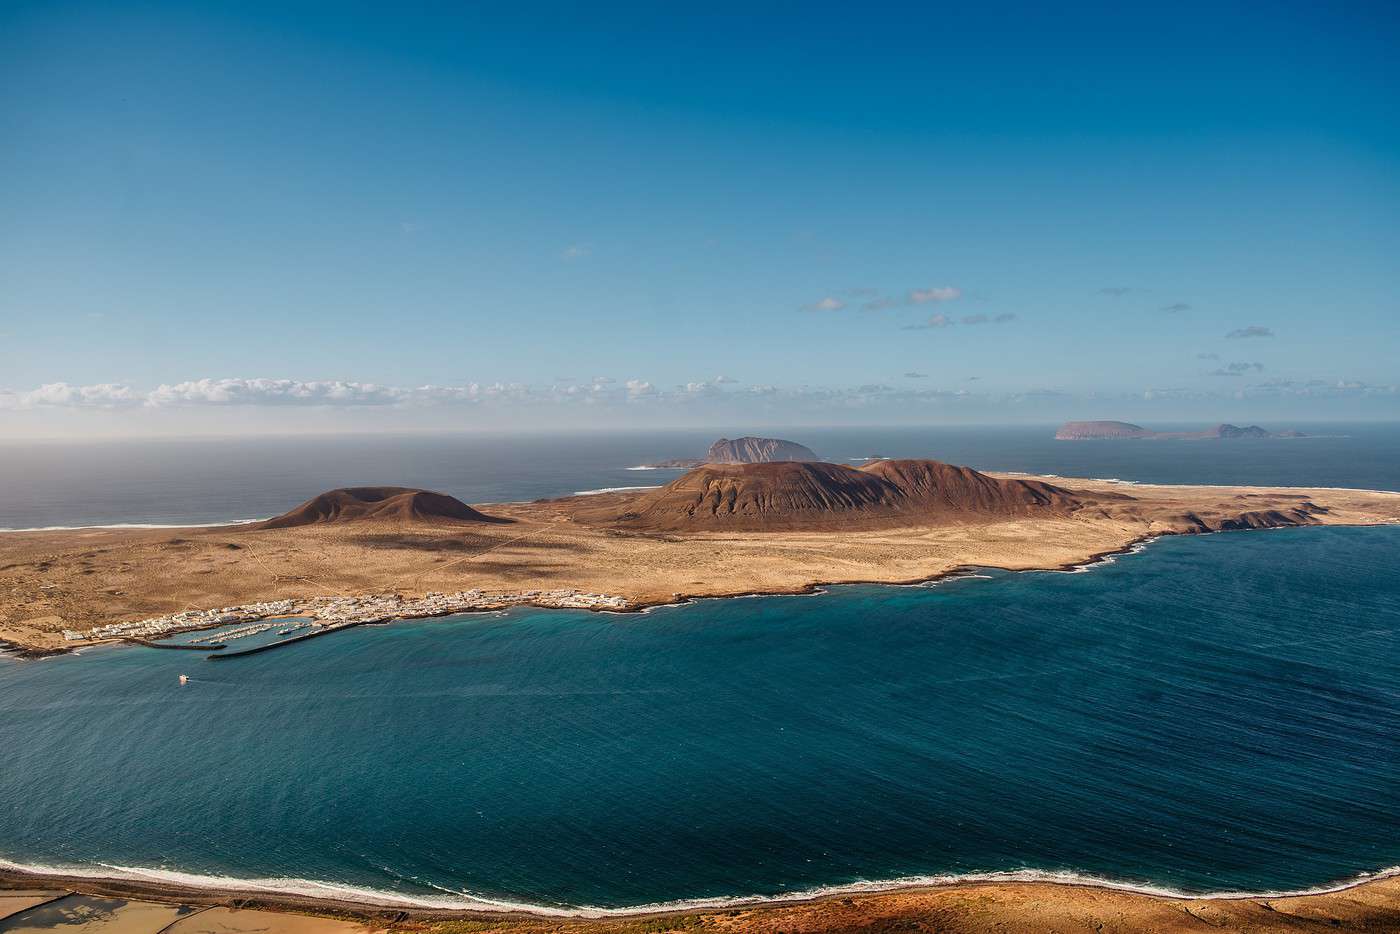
(119, 907)
(79, 579)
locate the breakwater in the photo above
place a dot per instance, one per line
(268, 646)
(190, 647)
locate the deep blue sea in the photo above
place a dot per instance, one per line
(1215, 713)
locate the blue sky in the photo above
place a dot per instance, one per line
(253, 216)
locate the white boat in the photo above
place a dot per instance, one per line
(184, 679)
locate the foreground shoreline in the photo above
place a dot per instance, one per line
(1033, 900)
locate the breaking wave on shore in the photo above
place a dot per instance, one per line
(137, 525)
(469, 902)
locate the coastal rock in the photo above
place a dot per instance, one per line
(749, 450)
(377, 504)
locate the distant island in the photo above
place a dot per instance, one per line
(746, 450)
(1118, 431)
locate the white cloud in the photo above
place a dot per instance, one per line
(829, 303)
(278, 392)
(1253, 330)
(101, 395)
(945, 293)
(932, 295)
(725, 380)
(1238, 368)
(934, 322)
(230, 392)
(510, 398)
(575, 251)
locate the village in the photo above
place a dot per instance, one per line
(334, 612)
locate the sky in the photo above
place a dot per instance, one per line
(269, 217)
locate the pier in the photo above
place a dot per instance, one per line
(268, 646)
(189, 646)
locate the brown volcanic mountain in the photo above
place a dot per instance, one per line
(795, 495)
(948, 487)
(377, 504)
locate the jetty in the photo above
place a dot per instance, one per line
(269, 646)
(189, 646)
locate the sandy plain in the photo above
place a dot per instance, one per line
(77, 579)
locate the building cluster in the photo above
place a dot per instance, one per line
(336, 611)
(158, 626)
(375, 608)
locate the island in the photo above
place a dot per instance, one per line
(746, 450)
(1119, 431)
(372, 554)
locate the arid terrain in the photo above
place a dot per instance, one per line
(703, 535)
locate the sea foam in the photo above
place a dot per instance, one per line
(467, 901)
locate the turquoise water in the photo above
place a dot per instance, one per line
(1214, 713)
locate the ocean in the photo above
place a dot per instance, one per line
(206, 481)
(1208, 714)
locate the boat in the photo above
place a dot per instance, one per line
(184, 679)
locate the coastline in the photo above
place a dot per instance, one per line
(508, 600)
(818, 909)
(1030, 888)
(101, 583)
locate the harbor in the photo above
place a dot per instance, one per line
(297, 620)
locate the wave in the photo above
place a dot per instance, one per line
(1136, 548)
(616, 489)
(281, 885)
(466, 901)
(137, 525)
